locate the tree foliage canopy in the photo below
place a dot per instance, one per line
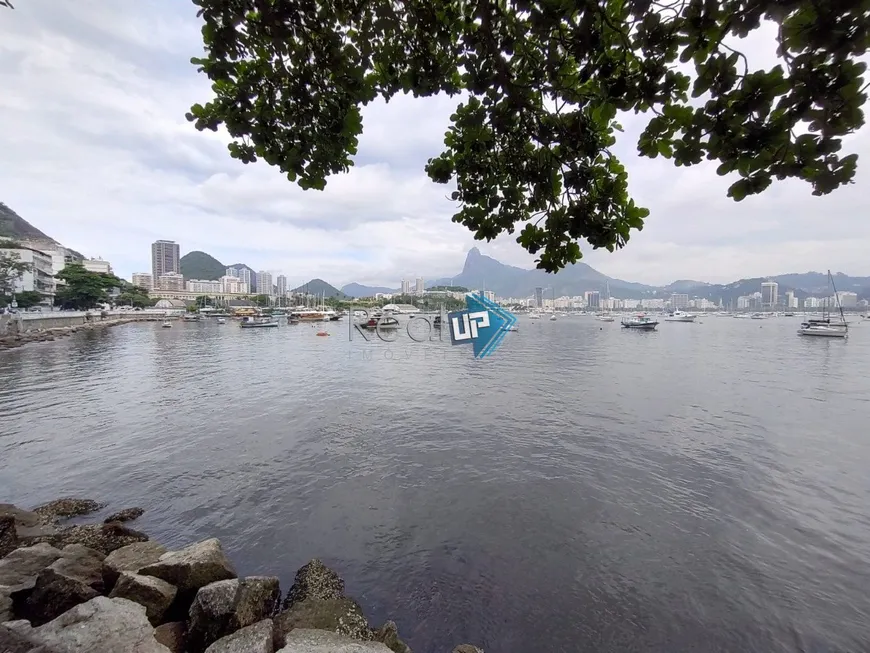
(542, 84)
(84, 289)
(135, 296)
(12, 268)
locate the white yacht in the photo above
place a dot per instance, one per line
(534, 315)
(680, 316)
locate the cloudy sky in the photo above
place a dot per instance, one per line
(96, 152)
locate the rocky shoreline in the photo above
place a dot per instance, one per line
(107, 588)
(13, 340)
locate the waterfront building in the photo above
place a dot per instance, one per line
(165, 259)
(203, 286)
(769, 294)
(143, 280)
(97, 265)
(170, 281)
(40, 275)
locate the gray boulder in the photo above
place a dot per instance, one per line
(314, 581)
(388, 634)
(153, 594)
(15, 637)
(5, 607)
(19, 569)
(130, 558)
(304, 640)
(256, 638)
(172, 635)
(28, 525)
(66, 507)
(81, 563)
(223, 607)
(102, 537)
(127, 514)
(8, 535)
(53, 594)
(192, 567)
(467, 648)
(99, 626)
(342, 615)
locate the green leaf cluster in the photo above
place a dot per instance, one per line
(529, 147)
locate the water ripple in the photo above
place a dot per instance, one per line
(701, 488)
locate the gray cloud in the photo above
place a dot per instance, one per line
(96, 152)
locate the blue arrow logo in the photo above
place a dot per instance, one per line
(484, 325)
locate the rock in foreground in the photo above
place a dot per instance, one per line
(127, 514)
(101, 625)
(256, 638)
(314, 580)
(66, 507)
(225, 606)
(153, 594)
(130, 558)
(305, 640)
(192, 567)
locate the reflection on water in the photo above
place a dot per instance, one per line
(700, 488)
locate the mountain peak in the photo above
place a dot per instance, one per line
(473, 252)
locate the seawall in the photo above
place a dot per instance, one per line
(15, 331)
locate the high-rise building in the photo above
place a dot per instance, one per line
(143, 280)
(679, 301)
(233, 285)
(281, 286)
(593, 299)
(406, 287)
(847, 299)
(164, 258)
(243, 274)
(264, 283)
(790, 300)
(539, 298)
(769, 294)
(419, 286)
(170, 281)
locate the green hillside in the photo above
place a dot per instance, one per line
(199, 265)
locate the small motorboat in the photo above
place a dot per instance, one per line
(222, 320)
(257, 322)
(640, 322)
(382, 322)
(553, 317)
(322, 333)
(166, 324)
(511, 328)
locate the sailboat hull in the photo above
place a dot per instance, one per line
(823, 332)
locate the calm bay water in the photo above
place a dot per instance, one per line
(702, 488)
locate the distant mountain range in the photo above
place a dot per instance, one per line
(484, 272)
(358, 290)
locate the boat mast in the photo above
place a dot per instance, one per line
(837, 297)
